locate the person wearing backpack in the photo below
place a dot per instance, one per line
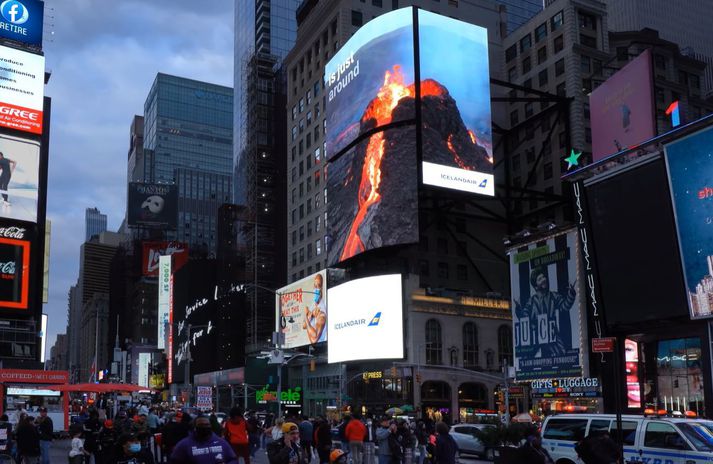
(236, 433)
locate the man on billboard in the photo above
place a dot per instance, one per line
(316, 319)
(548, 313)
(7, 166)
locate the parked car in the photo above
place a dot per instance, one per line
(467, 438)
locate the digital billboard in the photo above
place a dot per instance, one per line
(164, 300)
(546, 308)
(152, 251)
(622, 108)
(19, 178)
(633, 381)
(690, 171)
(367, 78)
(362, 310)
(14, 268)
(457, 150)
(373, 195)
(152, 205)
(22, 90)
(22, 21)
(301, 310)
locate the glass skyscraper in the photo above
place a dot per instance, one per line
(521, 11)
(94, 223)
(188, 139)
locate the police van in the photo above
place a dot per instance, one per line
(647, 439)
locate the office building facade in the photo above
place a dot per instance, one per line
(520, 11)
(265, 31)
(188, 138)
(95, 223)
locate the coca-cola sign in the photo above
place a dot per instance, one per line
(14, 268)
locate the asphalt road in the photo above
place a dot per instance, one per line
(60, 451)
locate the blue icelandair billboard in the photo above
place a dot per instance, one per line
(22, 21)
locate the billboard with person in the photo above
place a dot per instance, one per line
(19, 178)
(301, 309)
(546, 308)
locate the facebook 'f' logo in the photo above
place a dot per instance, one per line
(14, 12)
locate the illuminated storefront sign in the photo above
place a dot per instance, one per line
(292, 396)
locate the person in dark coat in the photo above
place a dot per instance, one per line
(323, 440)
(28, 441)
(446, 446)
(175, 431)
(285, 450)
(532, 452)
(598, 448)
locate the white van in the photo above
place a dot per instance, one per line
(647, 439)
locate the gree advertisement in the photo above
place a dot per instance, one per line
(373, 195)
(22, 77)
(368, 77)
(456, 129)
(19, 178)
(22, 21)
(622, 109)
(366, 309)
(152, 252)
(546, 308)
(301, 310)
(690, 171)
(164, 300)
(152, 205)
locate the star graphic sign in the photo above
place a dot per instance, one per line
(573, 159)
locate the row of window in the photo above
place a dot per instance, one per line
(443, 270)
(470, 344)
(541, 58)
(540, 34)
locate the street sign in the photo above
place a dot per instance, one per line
(603, 345)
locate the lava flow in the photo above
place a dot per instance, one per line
(380, 109)
(457, 159)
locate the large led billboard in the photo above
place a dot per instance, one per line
(546, 308)
(690, 171)
(456, 129)
(22, 90)
(622, 108)
(152, 205)
(19, 178)
(165, 282)
(152, 252)
(373, 191)
(363, 310)
(301, 310)
(367, 77)
(22, 21)
(14, 269)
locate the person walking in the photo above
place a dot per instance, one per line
(236, 433)
(383, 433)
(46, 429)
(28, 441)
(306, 435)
(598, 448)
(354, 432)
(277, 429)
(202, 446)
(422, 439)
(106, 443)
(92, 427)
(286, 450)
(77, 455)
(532, 452)
(323, 440)
(153, 421)
(8, 167)
(446, 446)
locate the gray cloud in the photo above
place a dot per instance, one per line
(104, 57)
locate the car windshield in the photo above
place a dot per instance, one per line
(698, 434)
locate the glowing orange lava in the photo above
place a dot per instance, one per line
(473, 138)
(457, 159)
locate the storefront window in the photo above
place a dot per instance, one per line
(679, 377)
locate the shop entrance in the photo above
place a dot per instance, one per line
(472, 401)
(436, 401)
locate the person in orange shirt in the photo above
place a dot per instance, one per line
(236, 433)
(355, 432)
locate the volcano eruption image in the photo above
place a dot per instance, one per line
(373, 187)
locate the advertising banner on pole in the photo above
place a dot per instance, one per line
(547, 308)
(164, 291)
(301, 310)
(144, 362)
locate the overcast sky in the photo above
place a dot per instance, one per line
(104, 56)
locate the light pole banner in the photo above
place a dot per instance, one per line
(164, 287)
(301, 310)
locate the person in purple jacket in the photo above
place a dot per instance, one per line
(203, 446)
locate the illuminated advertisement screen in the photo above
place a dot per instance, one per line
(19, 178)
(373, 195)
(690, 171)
(14, 273)
(455, 104)
(301, 310)
(22, 90)
(362, 310)
(22, 21)
(633, 382)
(546, 308)
(368, 77)
(164, 297)
(152, 251)
(152, 205)
(622, 108)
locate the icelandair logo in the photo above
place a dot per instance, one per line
(358, 322)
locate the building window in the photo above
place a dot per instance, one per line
(510, 53)
(294, 133)
(525, 43)
(443, 270)
(542, 78)
(528, 110)
(294, 112)
(541, 55)
(514, 118)
(294, 216)
(541, 32)
(587, 21)
(317, 223)
(357, 19)
(505, 345)
(302, 105)
(559, 67)
(433, 342)
(302, 233)
(376, 3)
(526, 65)
(559, 44)
(318, 247)
(512, 74)
(294, 237)
(695, 81)
(561, 90)
(302, 255)
(557, 21)
(470, 345)
(309, 97)
(309, 251)
(585, 64)
(316, 200)
(462, 272)
(309, 228)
